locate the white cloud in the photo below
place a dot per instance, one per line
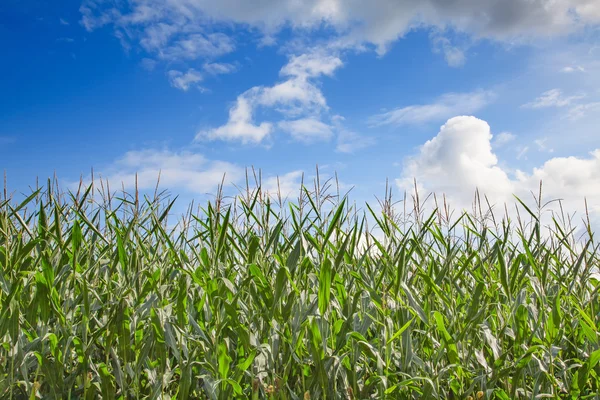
(379, 22)
(297, 99)
(588, 10)
(503, 138)
(187, 170)
(239, 127)
(307, 130)
(287, 185)
(219, 68)
(197, 46)
(444, 107)
(311, 65)
(552, 98)
(570, 69)
(460, 159)
(184, 81)
(455, 56)
(63, 21)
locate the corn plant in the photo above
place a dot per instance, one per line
(108, 295)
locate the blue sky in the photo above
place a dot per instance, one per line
(465, 94)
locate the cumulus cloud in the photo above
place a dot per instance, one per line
(184, 81)
(297, 99)
(442, 108)
(187, 170)
(460, 160)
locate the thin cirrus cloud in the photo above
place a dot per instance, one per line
(442, 108)
(503, 138)
(307, 130)
(552, 98)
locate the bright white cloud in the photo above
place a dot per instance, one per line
(552, 98)
(457, 161)
(184, 81)
(240, 126)
(311, 65)
(186, 170)
(307, 130)
(444, 107)
(460, 160)
(297, 99)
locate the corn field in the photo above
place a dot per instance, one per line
(111, 295)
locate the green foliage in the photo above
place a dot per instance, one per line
(102, 298)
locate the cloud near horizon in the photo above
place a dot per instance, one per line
(460, 160)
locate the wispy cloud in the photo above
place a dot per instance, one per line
(444, 107)
(581, 110)
(552, 98)
(185, 80)
(219, 68)
(503, 138)
(184, 170)
(307, 130)
(571, 69)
